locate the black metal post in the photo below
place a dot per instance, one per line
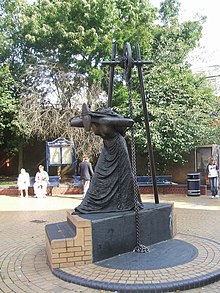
(111, 77)
(146, 116)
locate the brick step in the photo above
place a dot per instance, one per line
(61, 230)
(69, 243)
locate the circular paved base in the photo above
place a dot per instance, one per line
(161, 255)
(202, 268)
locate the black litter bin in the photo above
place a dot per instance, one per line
(193, 184)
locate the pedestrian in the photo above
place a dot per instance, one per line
(86, 172)
(212, 172)
(23, 182)
(41, 182)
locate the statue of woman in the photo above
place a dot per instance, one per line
(112, 185)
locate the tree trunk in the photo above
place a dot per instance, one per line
(20, 158)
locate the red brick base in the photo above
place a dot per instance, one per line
(172, 189)
(13, 190)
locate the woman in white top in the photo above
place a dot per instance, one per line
(41, 181)
(212, 171)
(23, 182)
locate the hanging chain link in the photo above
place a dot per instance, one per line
(139, 247)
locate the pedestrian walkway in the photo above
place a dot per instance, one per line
(23, 267)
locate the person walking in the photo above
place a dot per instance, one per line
(23, 182)
(212, 172)
(86, 172)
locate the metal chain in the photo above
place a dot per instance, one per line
(139, 247)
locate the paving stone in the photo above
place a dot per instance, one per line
(23, 261)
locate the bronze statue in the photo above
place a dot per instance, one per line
(112, 185)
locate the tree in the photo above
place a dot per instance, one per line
(179, 103)
(47, 105)
(11, 132)
(78, 35)
(9, 124)
(52, 42)
(60, 41)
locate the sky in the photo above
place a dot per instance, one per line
(209, 52)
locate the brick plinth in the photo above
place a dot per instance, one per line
(66, 190)
(172, 189)
(13, 190)
(69, 243)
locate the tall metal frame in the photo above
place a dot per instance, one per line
(127, 62)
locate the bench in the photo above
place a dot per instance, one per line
(77, 181)
(54, 181)
(163, 180)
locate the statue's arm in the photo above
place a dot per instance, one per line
(124, 122)
(76, 122)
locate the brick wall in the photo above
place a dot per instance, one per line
(173, 189)
(13, 190)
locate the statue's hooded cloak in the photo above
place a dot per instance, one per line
(112, 185)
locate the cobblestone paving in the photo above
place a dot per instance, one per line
(23, 267)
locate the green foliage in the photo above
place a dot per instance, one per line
(169, 11)
(179, 102)
(74, 36)
(179, 109)
(80, 33)
(9, 125)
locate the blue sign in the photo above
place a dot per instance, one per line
(60, 152)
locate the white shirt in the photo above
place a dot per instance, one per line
(212, 170)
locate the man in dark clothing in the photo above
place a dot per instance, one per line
(85, 171)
